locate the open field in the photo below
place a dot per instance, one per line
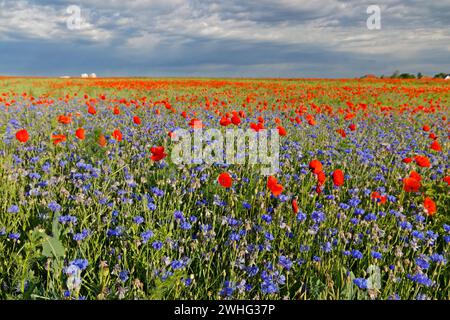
(359, 209)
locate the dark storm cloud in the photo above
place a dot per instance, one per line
(224, 38)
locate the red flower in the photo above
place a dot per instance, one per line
(426, 128)
(294, 206)
(411, 185)
(338, 177)
(352, 127)
(58, 138)
(274, 186)
(447, 179)
(430, 206)
(407, 160)
(378, 197)
(341, 132)
(80, 133)
(196, 123)
(225, 180)
(422, 161)
(116, 111)
(235, 120)
(136, 120)
(171, 134)
(281, 131)
(436, 146)
(117, 135)
(432, 136)
(64, 119)
(315, 166)
(321, 178)
(225, 121)
(22, 135)
(92, 110)
(157, 153)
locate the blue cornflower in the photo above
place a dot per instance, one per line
(146, 235)
(246, 205)
(14, 236)
(186, 225)
(361, 283)
(422, 263)
(318, 216)
(285, 262)
(446, 228)
(301, 216)
(438, 258)
(235, 236)
(267, 218)
(54, 206)
(357, 254)
(228, 289)
(178, 215)
(269, 236)
(138, 220)
(421, 278)
(252, 271)
(13, 209)
(81, 236)
(157, 245)
(80, 263)
(376, 255)
(123, 275)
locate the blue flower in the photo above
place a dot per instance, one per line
(246, 205)
(157, 245)
(146, 235)
(178, 215)
(123, 275)
(357, 254)
(421, 278)
(138, 220)
(376, 255)
(360, 283)
(80, 263)
(285, 262)
(13, 209)
(318, 216)
(54, 206)
(422, 263)
(14, 236)
(269, 236)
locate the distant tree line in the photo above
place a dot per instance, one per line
(398, 75)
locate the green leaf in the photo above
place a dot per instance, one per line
(52, 247)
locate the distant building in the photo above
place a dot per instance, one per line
(92, 75)
(447, 77)
(85, 75)
(64, 77)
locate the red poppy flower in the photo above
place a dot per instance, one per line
(378, 197)
(64, 119)
(407, 160)
(22, 135)
(136, 120)
(58, 138)
(225, 180)
(117, 135)
(447, 179)
(436, 146)
(225, 121)
(432, 136)
(430, 206)
(116, 111)
(411, 185)
(92, 110)
(294, 206)
(235, 120)
(80, 133)
(274, 186)
(426, 128)
(341, 132)
(352, 127)
(422, 161)
(338, 177)
(171, 134)
(196, 123)
(157, 153)
(315, 166)
(321, 178)
(281, 131)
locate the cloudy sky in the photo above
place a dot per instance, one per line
(236, 38)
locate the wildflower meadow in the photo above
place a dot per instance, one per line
(94, 205)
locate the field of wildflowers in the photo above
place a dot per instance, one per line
(92, 207)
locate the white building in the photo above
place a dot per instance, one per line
(92, 75)
(447, 77)
(85, 75)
